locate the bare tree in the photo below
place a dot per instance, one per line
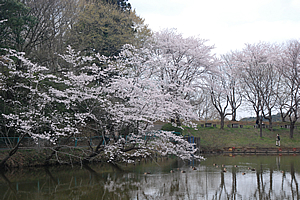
(270, 93)
(256, 69)
(220, 93)
(202, 105)
(282, 100)
(290, 66)
(47, 36)
(234, 90)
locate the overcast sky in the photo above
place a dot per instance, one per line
(228, 24)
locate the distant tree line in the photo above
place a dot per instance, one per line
(276, 118)
(262, 76)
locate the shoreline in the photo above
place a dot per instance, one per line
(36, 159)
(265, 151)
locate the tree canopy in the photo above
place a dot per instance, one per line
(116, 97)
(18, 22)
(102, 28)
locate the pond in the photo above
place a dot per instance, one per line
(245, 177)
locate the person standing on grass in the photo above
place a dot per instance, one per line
(277, 140)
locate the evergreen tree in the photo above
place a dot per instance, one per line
(121, 3)
(101, 28)
(18, 22)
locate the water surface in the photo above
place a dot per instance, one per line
(245, 177)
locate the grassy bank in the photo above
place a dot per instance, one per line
(212, 138)
(246, 137)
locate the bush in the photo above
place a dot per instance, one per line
(169, 127)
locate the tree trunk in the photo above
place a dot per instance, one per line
(260, 127)
(12, 152)
(270, 119)
(257, 115)
(56, 149)
(233, 116)
(292, 127)
(271, 125)
(222, 121)
(94, 153)
(178, 122)
(282, 116)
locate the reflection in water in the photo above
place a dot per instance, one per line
(273, 178)
(295, 193)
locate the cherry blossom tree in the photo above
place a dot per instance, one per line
(218, 88)
(222, 87)
(128, 96)
(234, 90)
(289, 68)
(256, 65)
(145, 85)
(202, 105)
(177, 66)
(26, 104)
(115, 98)
(62, 106)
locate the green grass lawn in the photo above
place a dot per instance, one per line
(246, 137)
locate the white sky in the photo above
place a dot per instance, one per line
(227, 24)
